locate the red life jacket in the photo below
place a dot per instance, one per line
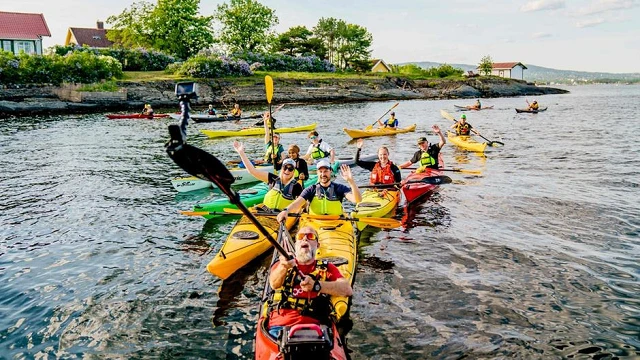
(380, 175)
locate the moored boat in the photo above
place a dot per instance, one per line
(531, 111)
(136, 116)
(466, 142)
(256, 131)
(358, 133)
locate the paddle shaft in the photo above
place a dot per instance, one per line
(446, 115)
(433, 180)
(454, 170)
(380, 222)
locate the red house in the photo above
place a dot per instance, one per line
(22, 32)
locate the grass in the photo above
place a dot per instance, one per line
(108, 86)
(134, 76)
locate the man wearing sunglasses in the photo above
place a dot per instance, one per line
(303, 300)
(325, 197)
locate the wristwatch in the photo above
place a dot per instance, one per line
(316, 286)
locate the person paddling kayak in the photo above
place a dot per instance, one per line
(533, 106)
(427, 155)
(391, 123)
(463, 128)
(383, 171)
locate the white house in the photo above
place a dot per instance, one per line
(511, 70)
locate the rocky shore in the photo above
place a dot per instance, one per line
(47, 100)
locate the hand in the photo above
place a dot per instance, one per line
(359, 143)
(345, 172)
(435, 128)
(282, 216)
(307, 284)
(238, 146)
(286, 263)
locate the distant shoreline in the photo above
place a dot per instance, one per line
(160, 94)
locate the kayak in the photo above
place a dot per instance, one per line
(256, 131)
(471, 107)
(357, 133)
(416, 191)
(376, 203)
(242, 176)
(466, 142)
(530, 111)
(135, 116)
(245, 243)
(249, 197)
(215, 118)
(338, 239)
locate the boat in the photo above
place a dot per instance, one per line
(531, 111)
(215, 118)
(471, 107)
(376, 203)
(415, 191)
(338, 239)
(256, 131)
(357, 133)
(136, 116)
(242, 176)
(246, 243)
(249, 197)
(466, 142)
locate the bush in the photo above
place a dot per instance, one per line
(131, 59)
(441, 71)
(281, 62)
(211, 66)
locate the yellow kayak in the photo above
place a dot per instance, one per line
(466, 142)
(357, 133)
(256, 131)
(376, 203)
(338, 241)
(244, 244)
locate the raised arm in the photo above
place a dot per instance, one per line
(258, 174)
(354, 196)
(436, 129)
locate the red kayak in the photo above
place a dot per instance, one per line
(302, 341)
(417, 190)
(136, 116)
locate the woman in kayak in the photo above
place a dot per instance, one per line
(283, 188)
(271, 156)
(463, 128)
(477, 105)
(302, 170)
(383, 171)
(147, 110)
(303, 299)
(427, 155)
(319, 150)
(391, 123)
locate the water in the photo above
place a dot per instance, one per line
(537, 258)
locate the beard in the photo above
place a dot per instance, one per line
(304, 255)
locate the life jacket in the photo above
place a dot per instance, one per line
(426, 160)
(316, 306)
(236, 112)
(269, 151)
(278, 197)
(534, 106)
(380, 175)
(464, 129)
(211, 112)
(391, 121)
(316, 153)
(325, 201)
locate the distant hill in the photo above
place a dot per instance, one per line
(547, 75)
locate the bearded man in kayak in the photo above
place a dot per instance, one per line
(383, 171)
(283, 188)
(325, 197)
(428, 154)
(298, 299)
(391, 123)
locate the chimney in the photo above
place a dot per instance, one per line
(100, 25)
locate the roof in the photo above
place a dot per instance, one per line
(375, 62)
(91, 37)
(507, 65)
(22, 26)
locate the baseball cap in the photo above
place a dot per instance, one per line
(463, 116)
(323, 163)
(422, 139)
(288, 161)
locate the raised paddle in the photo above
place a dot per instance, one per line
(369, 127)
(385, 223)
(432, 180)
(448, 116)
(268, 85)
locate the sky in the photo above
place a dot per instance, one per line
(584, 35)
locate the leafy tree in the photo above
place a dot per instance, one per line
(355, 43)
(328, 30)
(172, 26)
(247, 25)
(486, 65)
(298, 41)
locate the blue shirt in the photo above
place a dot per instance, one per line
(340, 190)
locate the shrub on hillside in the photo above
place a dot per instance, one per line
(203, 66)
(280, 62)
(131, 59)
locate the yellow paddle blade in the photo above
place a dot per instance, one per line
(233, 211)
(472, 172)
(446, 115)
(268, 84)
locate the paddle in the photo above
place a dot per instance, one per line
(268, 84)
(448, 116)
(472, 172)
(369, 127)
(384, 223)
(204, 213)
(432, 180)
(203, 165)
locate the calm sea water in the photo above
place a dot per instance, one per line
(539, 257)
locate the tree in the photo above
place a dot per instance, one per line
(298, 41)
(355, 43)
(247, 25)
(171, 26)
(486, 65)
(328, 30)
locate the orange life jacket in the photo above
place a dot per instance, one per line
(380, 175)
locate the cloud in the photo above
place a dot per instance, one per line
(540, 35)
(590, 23)
(539, 5)
(601, 6)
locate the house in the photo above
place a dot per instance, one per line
(511, 70)
(22, 32)
(95, 38)
(378, 65)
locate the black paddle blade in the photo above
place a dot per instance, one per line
(433, 180)
(197, 162)
(496, 144)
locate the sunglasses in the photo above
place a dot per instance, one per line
(313, 137)
(288, 168)
(307, 236)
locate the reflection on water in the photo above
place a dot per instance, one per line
(535, 257)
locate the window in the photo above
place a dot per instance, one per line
(6, 45)
(29, 47)
(96, 37)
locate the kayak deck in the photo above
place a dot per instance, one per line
(256, 131)
(466, 142)
(357, 133)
